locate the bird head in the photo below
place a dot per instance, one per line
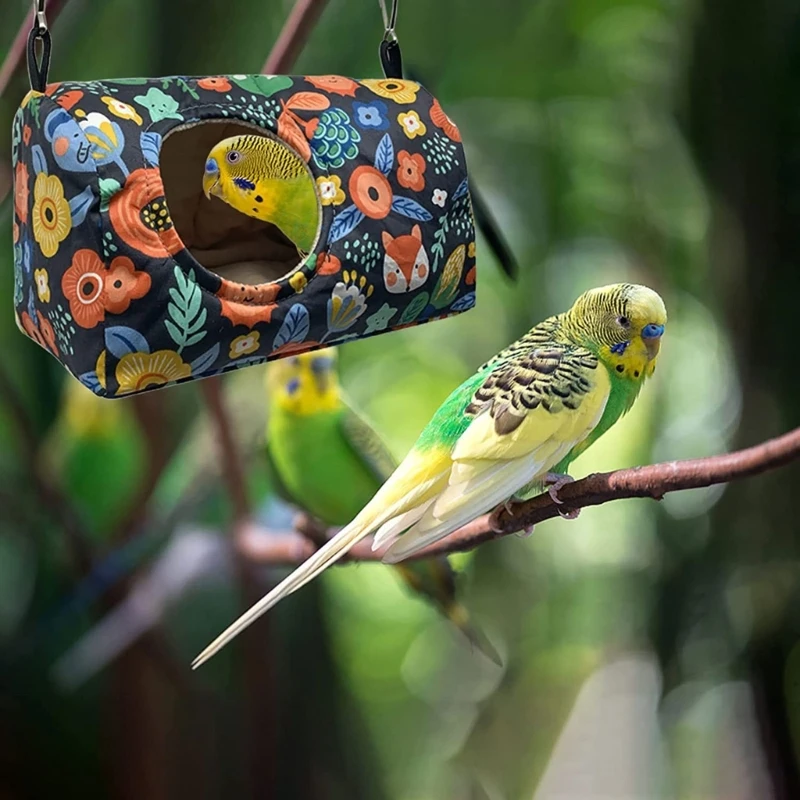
(306, 383)
(623, 323)
(229, 163)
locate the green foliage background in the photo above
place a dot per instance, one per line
(615, 140)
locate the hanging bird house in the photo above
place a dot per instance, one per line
(134, 279)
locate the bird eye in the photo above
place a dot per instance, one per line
(623, 321)
(321, 364)
(233, 156)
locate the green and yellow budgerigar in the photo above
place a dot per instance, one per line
(263, 178)
(328, 461)
(511, 429)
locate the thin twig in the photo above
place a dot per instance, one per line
(16, 53)
(654, 481)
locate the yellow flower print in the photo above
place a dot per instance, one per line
(121, 110)
(52, 220)
(100, 368)
(413, 126)
(329, 188)
(298, 282)
(244, 345)
(138, 371)
(393, 89)
(471, 250)
(42, 285)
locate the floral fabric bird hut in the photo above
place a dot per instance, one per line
(133, 279)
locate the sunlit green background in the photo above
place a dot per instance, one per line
(650, 649)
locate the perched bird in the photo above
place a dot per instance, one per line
(508, 431)
(328, 461)
(263, 178)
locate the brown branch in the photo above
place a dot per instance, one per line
(233, 473)
(654, 481)
(293, 36)
(16, 53)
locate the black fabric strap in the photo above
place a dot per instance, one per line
(38, 69)
(391, 59)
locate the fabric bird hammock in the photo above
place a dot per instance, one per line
(134, 280)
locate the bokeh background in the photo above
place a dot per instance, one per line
(651, 650)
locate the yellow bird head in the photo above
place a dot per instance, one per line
(306, 383)
(623, 323)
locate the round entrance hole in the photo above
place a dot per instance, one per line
(234, 246)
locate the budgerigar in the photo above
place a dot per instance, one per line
(509, 430)
(263, 178)
(328, 461)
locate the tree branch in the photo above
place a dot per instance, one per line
(293, 36)
(654, 481)
(16, 53)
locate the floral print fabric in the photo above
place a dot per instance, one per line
(105, 284)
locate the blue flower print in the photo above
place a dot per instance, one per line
(372, 115)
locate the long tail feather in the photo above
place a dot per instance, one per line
(307, 571)
(459, 616)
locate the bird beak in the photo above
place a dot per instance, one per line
(323, 381)
(210, 185)
(651, 336)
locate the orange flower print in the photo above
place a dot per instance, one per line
(69, 100)
(215, 84)
(328, 264)
(371, 192)
(32, 329)
(247, 305)
(48, 334)
(410, 171)
(83, 285)
(22, 192)
(334, 84)
(444, 123)
(92, 288)
(124, 283)
(26, 135)
(140, 217)
(43, 334)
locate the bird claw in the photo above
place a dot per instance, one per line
(525, 532)
(508, 506)
(555, 483)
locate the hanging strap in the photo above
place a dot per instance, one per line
(38, 69)
(391, 59)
